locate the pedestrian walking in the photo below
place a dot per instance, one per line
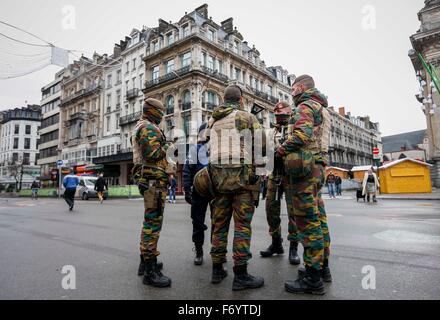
(172, 189)
(331, 184)
(370, 185)
(338, 184)
(34, 187)
(70, 182)
(100, 187)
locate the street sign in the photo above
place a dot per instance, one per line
(60, 163)
(376, 151)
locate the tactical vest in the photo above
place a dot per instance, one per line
(222, 151)
(321, 133)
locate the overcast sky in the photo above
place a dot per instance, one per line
(357, 50)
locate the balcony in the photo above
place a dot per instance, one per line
(168, 77)
(215, 74)
(78, 116)
(130, 118)
(92, 138)
(132, 94)
(121, 155)
(209, 106)
(80, 94)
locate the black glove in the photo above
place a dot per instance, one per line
(188, 197)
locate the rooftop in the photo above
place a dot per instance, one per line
(403, 141)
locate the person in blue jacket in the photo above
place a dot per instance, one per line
(70, 182)
(197, 159)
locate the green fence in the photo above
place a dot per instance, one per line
(113, 192)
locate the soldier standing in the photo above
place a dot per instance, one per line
(149, 172)
(276, 186)
(305, 157)
(236, 188)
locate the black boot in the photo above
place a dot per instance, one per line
(326, 275)
(374, 199)
(141, 269)
(311, 283)
(325, 272)
(243, 280)
(198, 260)
(293, 253)
(218, 273)
(153, 276)
(275, 248)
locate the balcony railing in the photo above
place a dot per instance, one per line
(130, 118)
(81, 93)
(132, 93)
(169, 76)
(185, 106)
(78, 115)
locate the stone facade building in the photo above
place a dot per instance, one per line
(49, 129)
(352, 140)
(427, 43)
(18, 145)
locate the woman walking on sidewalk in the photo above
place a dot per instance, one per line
(100, 187)
(370, 185)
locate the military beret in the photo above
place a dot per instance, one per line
(153, 103)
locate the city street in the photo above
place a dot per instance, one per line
(399, 239)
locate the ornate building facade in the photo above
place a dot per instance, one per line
(427, 43)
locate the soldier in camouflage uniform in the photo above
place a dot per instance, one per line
(307, 144)
(149, 172)
(276, 186)
(236, 188)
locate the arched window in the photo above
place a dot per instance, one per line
(170, 105)
(210, 100)
(186, 100)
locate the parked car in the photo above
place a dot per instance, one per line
(86, 188)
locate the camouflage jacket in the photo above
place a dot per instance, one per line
(307, 117)
(151, 145)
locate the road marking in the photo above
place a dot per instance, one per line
(401, 236)
(334, 215)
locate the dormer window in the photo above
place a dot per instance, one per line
(210, 35)
(236, 46)
(170, 38)
(156, 45)
(185, 30)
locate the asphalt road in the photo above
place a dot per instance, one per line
(399, 239)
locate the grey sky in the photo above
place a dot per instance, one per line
(366, 71)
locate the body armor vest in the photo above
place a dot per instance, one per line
(321, 134)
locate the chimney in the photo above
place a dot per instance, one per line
(228, 25)
(203, 11)
(342, 111)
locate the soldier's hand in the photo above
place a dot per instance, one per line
(188, 197)
(281, 152)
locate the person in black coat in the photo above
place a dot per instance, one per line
(197, 160)
(100, 187)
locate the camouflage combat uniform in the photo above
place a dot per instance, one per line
(149, 157)
(308, 130)
(275, 189)
(237, 204)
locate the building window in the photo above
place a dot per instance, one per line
(17, 129)
(15, 143)
(236, 47)
(155, 73)
(186, 100)
(186, 124)
(127, 67)
(117, 121)
(108, 124)
(185, 59)
(169, 66)
(109, 81)
(27, 143)
(109, 100)
(185, 29)
(134, 64)
(28, 129)
(170, 105)
(141, 81)
(118, 76)
(170, 38)
(156, 46)
(210, 62)
(210, 35)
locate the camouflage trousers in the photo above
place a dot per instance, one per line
(240, 208)
(153, 217)
(273, 210)
(311, 220)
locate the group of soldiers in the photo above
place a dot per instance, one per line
(232, 190)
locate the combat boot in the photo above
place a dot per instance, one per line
(275, 248)
(325, 273)
(198, 260)
(153, 276)
(293, 253)
(311, 283)
(141, 269)
(243, 280)
(218, 273)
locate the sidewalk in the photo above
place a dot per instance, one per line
(435, 195)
